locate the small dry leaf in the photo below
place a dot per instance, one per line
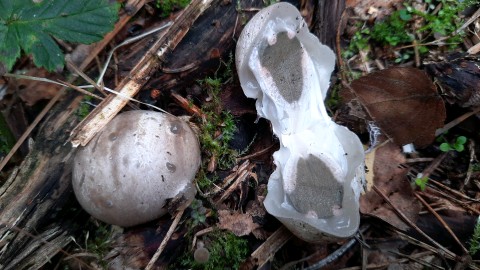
(33, 91)
(389, 177)
(404, 103)
(238, 223)
(370, 9)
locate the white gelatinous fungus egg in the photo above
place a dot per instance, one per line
(141, 159)
(315, 188)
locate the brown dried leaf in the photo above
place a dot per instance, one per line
(371, 9)
(404, 103)
(33, 91)
(238, 223)
(389, 177)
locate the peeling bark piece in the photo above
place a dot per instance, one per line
(459, 79)
(404, 103)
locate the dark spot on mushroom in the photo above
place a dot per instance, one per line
(125, 161)
(171, 168)
(96, 142)
(112, 136)
(108, 204)
(82, 179)
(163, 178)
(176, 127)
(168, 153)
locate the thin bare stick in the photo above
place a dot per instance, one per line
(258, 153)
(165, 240)
(139, 75)
(456, 192)
(411, 224)
(440, 219)
(420, 261)
(267, 250)
(456, 121)
(200, 233)
(30, 128)
(126, 42)
(430, 248)
(473, 159)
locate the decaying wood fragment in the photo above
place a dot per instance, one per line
(267, 250)
(35, 204)
(140, 74)
(39, 198)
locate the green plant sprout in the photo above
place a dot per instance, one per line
(475, 241)
(197, 214)
(227, 251)
(217, 128)
(398, 28)
(30, 25)
(7, 140)
(84, 108)
(421, 182)
(167, 6)
(217, 145)
(393, 30)
(458, 145)
(98, 241)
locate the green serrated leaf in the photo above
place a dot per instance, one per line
(9, 46)
(29, 25)
(5, 9)
(46, 53)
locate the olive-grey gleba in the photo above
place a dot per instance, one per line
(139, 160)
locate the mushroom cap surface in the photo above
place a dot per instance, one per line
(126, 174)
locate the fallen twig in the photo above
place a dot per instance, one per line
(165, 240)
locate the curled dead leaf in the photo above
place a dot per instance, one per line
(403, 102)
(33, 91)
(238, 223)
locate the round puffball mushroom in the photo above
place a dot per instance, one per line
(141, 159)
(201, 255)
